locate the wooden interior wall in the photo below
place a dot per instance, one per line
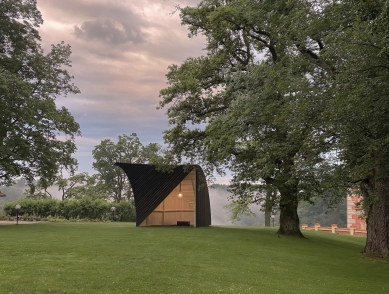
(175, 208)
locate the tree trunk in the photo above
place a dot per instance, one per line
(289, 219)
(268, 208)
(375, 193)
(267, 218)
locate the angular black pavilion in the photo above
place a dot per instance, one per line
(169, 198)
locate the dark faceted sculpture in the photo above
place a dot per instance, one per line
(179, 197)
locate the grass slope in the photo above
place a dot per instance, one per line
(119, 258)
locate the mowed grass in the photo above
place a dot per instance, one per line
(120, 258)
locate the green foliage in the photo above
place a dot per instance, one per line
(238, 210)
(85, 208)
(128, 149)
(359, 109)
(320, 212)
(125, 211)
(75, 186)
(30, 83)
(92, 209)
(256, 101)
(69, 209)
(293, 94)
(257, 219)
(41, 208)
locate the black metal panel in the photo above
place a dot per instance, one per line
(203, 207)
(151, 187)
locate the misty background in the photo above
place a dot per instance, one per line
(219, 197)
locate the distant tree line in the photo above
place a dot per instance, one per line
(110, 182)
(81, 191)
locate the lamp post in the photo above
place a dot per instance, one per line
(272, 216)
(113, 208)
(17, 207)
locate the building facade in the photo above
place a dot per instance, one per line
(354, 213)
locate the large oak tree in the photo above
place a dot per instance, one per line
(285, 86)
(36, 136)
(359, 51)
(254, 99)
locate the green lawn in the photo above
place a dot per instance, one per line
(120, 258)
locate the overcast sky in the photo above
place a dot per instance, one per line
(121, 51)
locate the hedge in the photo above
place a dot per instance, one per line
(85, 208)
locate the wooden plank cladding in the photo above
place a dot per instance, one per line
(169, 198)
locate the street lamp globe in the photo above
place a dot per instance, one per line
(113, 208)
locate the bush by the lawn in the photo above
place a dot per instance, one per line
(85, 208)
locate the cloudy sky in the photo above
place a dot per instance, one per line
(121, 51)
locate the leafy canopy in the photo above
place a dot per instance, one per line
(128, 149)
(36, 136)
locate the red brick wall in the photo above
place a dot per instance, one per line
(354, 214)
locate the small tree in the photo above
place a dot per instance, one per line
(128, 149)
(76, 186)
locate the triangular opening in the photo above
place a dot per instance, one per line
(176, 209)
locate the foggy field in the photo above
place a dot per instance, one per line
(120, 258)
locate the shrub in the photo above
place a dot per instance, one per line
(125, 211)
(86, 208)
